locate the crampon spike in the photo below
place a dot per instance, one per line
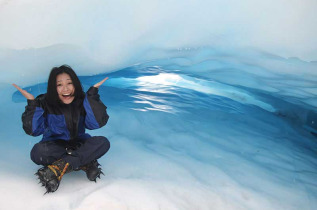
(50, 176)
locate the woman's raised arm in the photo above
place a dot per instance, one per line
(96, 111)
(100, 83)
(26, 94)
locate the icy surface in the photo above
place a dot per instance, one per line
(178, 141)
(210, 126)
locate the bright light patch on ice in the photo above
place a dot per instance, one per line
(152, 101)
(160, 79)
(158, 83)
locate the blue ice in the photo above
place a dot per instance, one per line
(210, 126)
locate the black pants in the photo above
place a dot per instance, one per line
(76, 153)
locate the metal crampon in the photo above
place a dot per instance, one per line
(92, 170)
(51, 175)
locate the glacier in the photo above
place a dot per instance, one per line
(203, 114)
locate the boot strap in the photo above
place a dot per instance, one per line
(64, 171)
(53, 169)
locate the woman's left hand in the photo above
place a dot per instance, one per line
(100, 83)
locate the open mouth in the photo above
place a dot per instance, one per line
(66, 96)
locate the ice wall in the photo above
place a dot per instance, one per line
(99, 36)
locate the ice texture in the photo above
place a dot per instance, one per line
(212, 104)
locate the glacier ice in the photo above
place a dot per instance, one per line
(205, 116)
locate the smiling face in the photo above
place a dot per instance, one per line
(65, 88)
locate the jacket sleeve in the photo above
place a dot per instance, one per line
(96, 111)
(33, 117)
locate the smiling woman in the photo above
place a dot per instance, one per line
(65, 88)
(61, 116)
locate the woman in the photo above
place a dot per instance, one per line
(61, 116)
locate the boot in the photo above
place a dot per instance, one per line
(92, 170)
(51, 175)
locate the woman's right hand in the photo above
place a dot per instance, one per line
(26, 94)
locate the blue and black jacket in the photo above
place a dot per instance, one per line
(66, 121)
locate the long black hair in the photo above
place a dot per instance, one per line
(51, 94)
